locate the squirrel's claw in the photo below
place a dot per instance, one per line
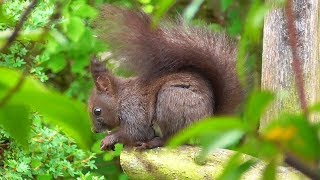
(108, 144)
(153, 143)
(141, 146)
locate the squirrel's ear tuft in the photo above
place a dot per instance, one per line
(97, 68)
(101, 76)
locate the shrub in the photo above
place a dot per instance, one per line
(50, 153)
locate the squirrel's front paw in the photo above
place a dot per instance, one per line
(108, 143)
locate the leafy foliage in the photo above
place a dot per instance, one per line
(33, 94)
(49, 154)
(48, 45)
(296, 135)
(235, 168)
(55, 45)
(290, 134)
(7, 113)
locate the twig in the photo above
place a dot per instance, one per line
(298, 165)
(18, 85)
(13, 36)
(298, 74)
(296, 62)
(19, 25)
(13, 90)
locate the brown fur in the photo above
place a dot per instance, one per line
(183, 74)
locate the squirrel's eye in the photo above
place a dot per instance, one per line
(97, 111)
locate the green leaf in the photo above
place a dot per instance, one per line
(118, 149)
(83, 10)
(75, 28)
(295, 135)
(235, 168)
(57, 63)
(26, 35)
(108, 156)
(44, 177)
(192, 9)
(211, 142)
(145, 1)
(86, 45)
(56, 38)
(14, 118)
(35, 163)
(250, 38)
(269, 172)
(256, 18)
(4, 18)
(69, 115)
(207, 126)
(314, 108)
(267, 150)
(256, 105)
(236, 23)
(95, 148)
(148, 8)
(164, 6)
(79, 64)
(215, 27)
(225, 4)
(123, 176)
(23, 167)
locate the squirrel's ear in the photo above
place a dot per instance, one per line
(101, 77)
(103, 83)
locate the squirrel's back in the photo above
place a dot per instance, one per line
(173, 47)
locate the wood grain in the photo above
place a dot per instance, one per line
(277, 74)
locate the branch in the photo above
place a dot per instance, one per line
(15, 89)
(30, 35)
(298, 73)
(167, 163)
(19, 25)
(296, 62)
(18, 85)
(305, 169)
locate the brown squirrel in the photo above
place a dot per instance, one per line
(183, 75)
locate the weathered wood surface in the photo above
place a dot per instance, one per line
(165, 163)
(277, 74)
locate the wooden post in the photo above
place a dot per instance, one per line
(277, 74)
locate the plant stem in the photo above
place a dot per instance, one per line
(19, 25)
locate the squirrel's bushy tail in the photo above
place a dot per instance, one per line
(173, 47)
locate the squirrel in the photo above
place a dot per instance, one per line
(183, 74)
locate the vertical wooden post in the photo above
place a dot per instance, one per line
(277, 74)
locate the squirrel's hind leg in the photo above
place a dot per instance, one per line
(181, 102)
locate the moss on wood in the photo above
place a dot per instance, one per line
(165, 163)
